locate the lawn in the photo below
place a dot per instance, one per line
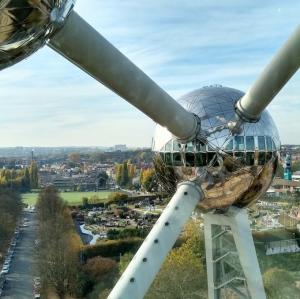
(73, 198)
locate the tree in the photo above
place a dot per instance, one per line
(17, 180)
(122, 174)
(59, 245)
(102, 178)
(279, 284)
(119, 171)
(74, 157)
(182, 274)
(85, 201)
(98, 157)
(125, 175)
(295, 166)
(147, 178)
(33, 171)
(26, 180)
(10, 210)
(131, 171)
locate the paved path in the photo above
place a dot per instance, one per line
(19, 283)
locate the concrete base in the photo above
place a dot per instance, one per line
(216, 226)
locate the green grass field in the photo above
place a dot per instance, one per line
(73, 198)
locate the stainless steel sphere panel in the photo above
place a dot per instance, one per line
(25, 26)
(235, 170)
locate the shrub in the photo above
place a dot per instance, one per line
(117, 198)
(98, 267)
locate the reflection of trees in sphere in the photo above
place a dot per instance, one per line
(236, 170)
(25, 26)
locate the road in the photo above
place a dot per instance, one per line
(19, 283)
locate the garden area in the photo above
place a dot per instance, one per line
(72, 198)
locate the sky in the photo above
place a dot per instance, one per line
(182, 45)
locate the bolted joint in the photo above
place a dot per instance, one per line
(243, 114)
(194, 184)
(194, 133)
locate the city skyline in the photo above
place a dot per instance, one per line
(46, 101)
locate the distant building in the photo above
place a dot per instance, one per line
(296, 176)
(288, 167)
(282, 186)
(283, 241)
(120, 147)
(63, 183)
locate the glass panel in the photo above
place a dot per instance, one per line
(268, 156)
(210, 156)
(176, 146)
(250, 158)
(190, 159)
(190, 147)
(261, 143)
(169, 146)
(229, 145)
(200, 159)
(250, 143)
(200, 147)
(269, 143)
(240, 156)
(273, 146)
(177, 159)
(261, 159)
(239, 143)
(168, 159)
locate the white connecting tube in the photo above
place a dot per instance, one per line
(145, 265)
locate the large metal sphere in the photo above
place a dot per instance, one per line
(234, 170)
(25, 26)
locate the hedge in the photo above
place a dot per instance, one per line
(114, 234)
(112, 248)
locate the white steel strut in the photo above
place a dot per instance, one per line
(276, 74)
(144, 266)
(88, 49)
(237, 220)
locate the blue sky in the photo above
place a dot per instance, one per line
(182, 45)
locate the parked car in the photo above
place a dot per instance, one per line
(36, 287)
(5, 270)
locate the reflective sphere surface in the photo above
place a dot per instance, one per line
(25, 26)
(234, 170)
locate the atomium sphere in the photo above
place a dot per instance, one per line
(25, 26)
(233, 169)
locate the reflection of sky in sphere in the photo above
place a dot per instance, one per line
(25, 26)
(215, 107)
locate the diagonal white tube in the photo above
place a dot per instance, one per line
(281, 68)
(143, 268)
(84, 46)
